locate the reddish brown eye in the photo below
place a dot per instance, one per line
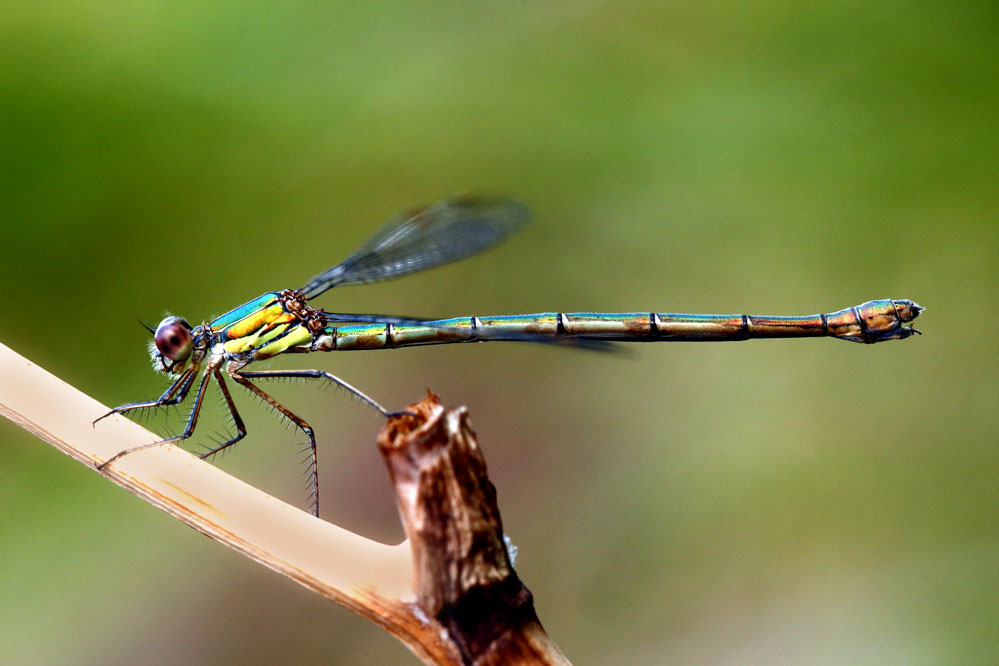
(173, 338)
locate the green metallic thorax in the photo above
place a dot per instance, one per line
(261, 326)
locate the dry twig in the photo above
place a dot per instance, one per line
(448, 593)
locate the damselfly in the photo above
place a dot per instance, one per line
(282, 322)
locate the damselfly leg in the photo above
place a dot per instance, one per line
(237, 420)
(192, 421)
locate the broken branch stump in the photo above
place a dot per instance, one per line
(462, 574)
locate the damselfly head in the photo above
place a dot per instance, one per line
(172, 344)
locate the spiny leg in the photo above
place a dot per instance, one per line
(175, 393)
(191, 422)
(241, 378)
(236, 419)
(319, 374)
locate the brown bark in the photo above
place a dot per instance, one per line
(462, 574)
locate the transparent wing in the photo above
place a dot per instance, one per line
(348, 318)
(442, 232)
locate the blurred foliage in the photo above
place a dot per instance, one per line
(767, 502)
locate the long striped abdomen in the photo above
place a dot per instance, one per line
(874, 321)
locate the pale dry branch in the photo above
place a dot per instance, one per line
(372, 579)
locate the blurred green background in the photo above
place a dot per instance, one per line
(767, 502)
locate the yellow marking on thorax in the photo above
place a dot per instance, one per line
(259, 320)
(296, 337)
(261, 336)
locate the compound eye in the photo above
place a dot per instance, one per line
(173, 338)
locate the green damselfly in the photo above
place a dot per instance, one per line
(282, 322)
